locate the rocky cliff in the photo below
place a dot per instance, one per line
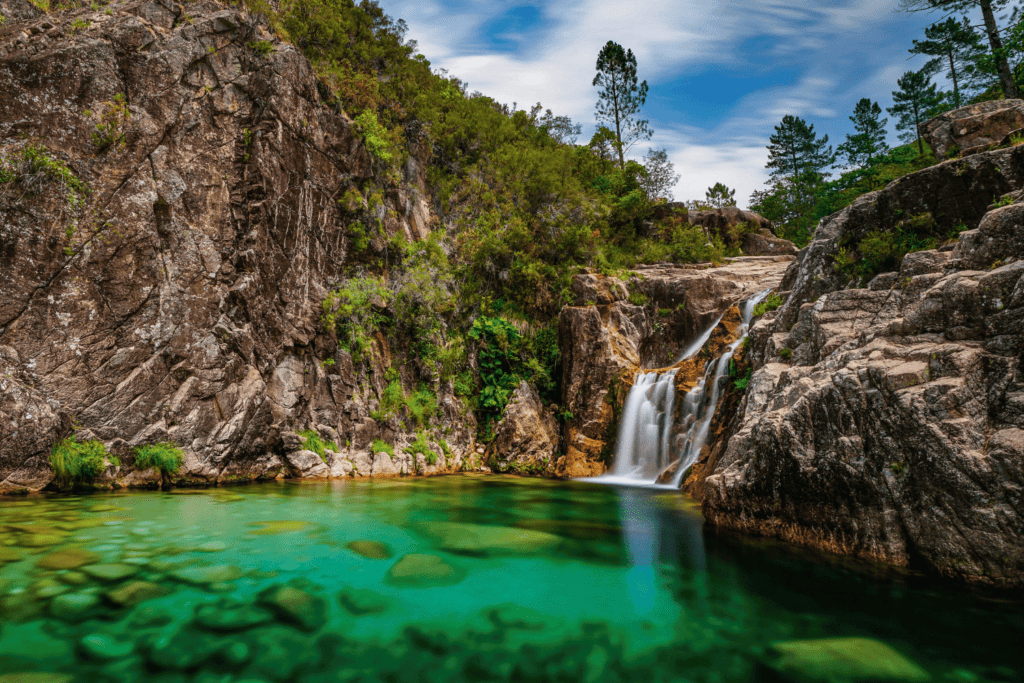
(885, 419)
(171, 219)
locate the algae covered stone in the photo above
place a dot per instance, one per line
(9, 555)
(74, 607)
(103, 647)
(374, 550)
(68, 558)
(844, 659)
(135, 592)
(275, 527)
(294, 606)
(422, 571)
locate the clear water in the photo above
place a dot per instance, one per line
(527, 580)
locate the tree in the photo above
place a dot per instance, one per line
(988, 7)
(797, 161)
(620, 98)
(720, 196)
(913, 104)
(869, 140)
(953, 42)
(660, 176)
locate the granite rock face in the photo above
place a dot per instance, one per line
(169, 286)
(974, 128)
(605, 339)
(526, 439)
(888, 421)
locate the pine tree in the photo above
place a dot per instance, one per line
(954, 44)
(997, 53)
(720, 196)
(869, 140)
(914, 103)
(620, 98)
(659, 175)
(797, 161)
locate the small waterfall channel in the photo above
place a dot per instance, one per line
(653, 433)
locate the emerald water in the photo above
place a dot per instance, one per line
(459, 578)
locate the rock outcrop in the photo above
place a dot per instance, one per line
(162, 279)
(612, 333)
(751, 233)
(526, 439)
(887, 421)
(973, 129)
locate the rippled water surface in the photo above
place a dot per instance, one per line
(459, 578)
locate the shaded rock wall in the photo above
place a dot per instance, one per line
(887, 421)
(180, 299)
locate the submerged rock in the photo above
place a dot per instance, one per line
(104, 647)
(374, 550)
(294, 606)
(423, 571)
(844, 659)
(68, 558)
(229, 616)
(114, 571)
(135, 592)
(362, 601)
(202, 576)
(483, 539)
(74, 607)
(272, 528)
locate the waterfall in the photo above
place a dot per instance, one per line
(650, 437)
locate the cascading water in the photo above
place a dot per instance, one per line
(649, 438)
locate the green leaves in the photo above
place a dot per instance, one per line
(620, 98)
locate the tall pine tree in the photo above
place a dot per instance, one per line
(869, 141)
(914, 103)
(988, 12)
(798, 162)
(954, 44)
(620, 98)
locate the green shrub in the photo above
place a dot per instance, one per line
(1005, 200)
(111, 124)
(262, 47)
(421, 447)
(75, 462)
(379, 446)
(770, 303)
(379, 142)
(353, 311)
(741, 383)
(39, 167)
(786, 353)
(312, 441)
(638, 298)
(664, 312)
(422, 406)
(165, 457)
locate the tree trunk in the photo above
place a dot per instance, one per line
(956, 90)
(1003, 66)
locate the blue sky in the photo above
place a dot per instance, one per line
(721, 74)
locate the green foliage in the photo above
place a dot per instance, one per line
(770, 303)
(40, 168)
(111, 124)
(354, 311)
(637, 298)
(165, 457)
(620, 98)
(312, 441)
(916, 101)
(1005, 200)
(868, 142)
(75, 462)
(785, 353)
(79, 25)
(897, 468)
(262, 47)
(391, 401)
(379, 446)
(664, 312)
(719, 196)
(741, 383)
(378, 139)
(421, 447)
(422, 406)
(882, 251)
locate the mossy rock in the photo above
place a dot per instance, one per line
(205, 576)
(68, 558)
(843, 659)
(8, 554)
(373, 550)
(423, 571)
(74, 607)
(103, 647)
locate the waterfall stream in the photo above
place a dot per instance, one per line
(651, 436)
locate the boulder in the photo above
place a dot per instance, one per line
(526, 438)
(307, 465)
(843, 659)
(419, 570)
(974, 128)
